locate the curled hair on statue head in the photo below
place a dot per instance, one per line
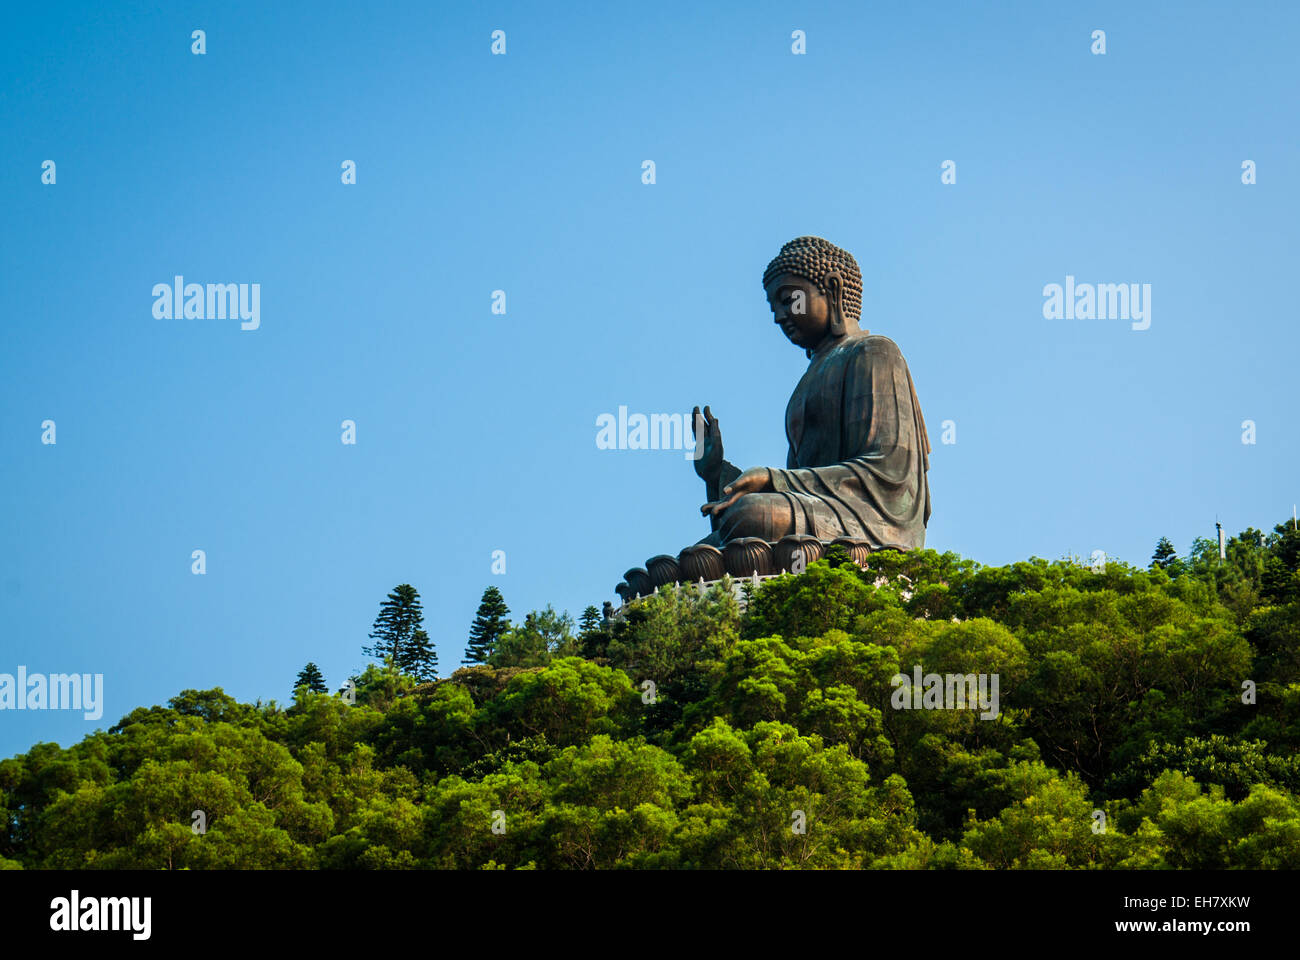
(816, 259)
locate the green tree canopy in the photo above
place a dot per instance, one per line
(686, 734)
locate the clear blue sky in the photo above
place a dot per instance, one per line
(523, 172)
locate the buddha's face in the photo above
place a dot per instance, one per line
(801, 310)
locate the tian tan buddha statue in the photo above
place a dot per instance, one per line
(856, 470)
(858, 447)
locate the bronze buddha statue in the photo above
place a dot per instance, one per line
(858, 453)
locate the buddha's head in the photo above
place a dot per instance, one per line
(815, 290)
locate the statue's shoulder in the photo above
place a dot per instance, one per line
(870, 344)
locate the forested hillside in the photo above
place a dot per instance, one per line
(1147, 718)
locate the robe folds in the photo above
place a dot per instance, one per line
(858, 451)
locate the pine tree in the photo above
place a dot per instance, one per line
(489, 625)
(311, 678)
(418, 659)
(1165, 554)
(590, 621)
(400, 616)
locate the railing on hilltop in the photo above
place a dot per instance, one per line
(738, 591)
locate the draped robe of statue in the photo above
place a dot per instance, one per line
(858, 454)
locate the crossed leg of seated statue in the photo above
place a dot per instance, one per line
(766, 515)
(772, 516)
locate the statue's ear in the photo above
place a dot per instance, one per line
(835, 295)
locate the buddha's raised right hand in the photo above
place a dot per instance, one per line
(708, 440)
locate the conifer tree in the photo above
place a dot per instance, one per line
(1165, 554)
(419, 659)
(311, 678)
(400, 616)
(590, 621)
(489, 624)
